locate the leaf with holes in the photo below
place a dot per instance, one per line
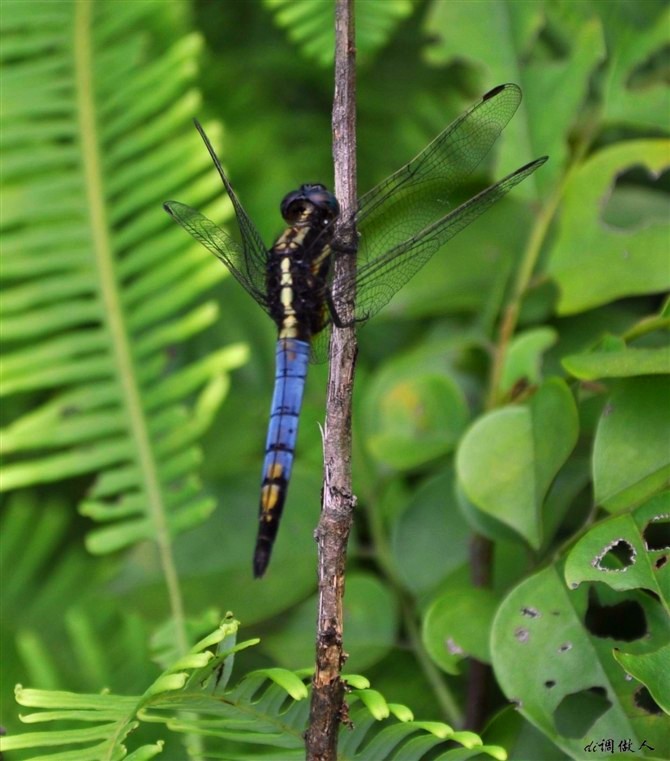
(457, 624)
(594, 264)
(627, 551)
(653, 670)
(562, 676)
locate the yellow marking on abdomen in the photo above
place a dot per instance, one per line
(269, 498)
(274, 471)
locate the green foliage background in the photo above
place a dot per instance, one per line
(137, 376)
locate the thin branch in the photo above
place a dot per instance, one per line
(328, 709)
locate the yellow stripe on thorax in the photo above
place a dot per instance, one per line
(320, 259)
(290, 241)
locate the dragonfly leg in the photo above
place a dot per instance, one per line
(338, 322)
(334, 316)
(339, 247)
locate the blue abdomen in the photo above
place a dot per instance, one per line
(291, 371)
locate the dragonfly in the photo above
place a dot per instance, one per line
(401, 223)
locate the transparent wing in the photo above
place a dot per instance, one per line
(223, 247)
(378, 280)
(405, 219)
(248, 261)
(422, 191)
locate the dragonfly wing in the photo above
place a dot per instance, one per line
(223, 247)
(252, 243)
(248, 261)
(423, 190)
(380, 279)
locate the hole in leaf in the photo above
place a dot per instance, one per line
(618, 556)
(579, 711)
(656, 534)
(644, 700)
(522, 634)
(649, 71)
(624, 621)
(565, 647)
(636, 200)
(550, 683)
(453, 648)
(660, 562)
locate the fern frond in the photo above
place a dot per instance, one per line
(98, 289)
(310, 25)
(266, 712)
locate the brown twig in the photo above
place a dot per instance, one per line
(327, 709)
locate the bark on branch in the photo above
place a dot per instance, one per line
(328, 709)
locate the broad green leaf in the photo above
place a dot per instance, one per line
(430, 526)
(653, 670)
(501, 42)
(412, 414)
(508, 458)
(520, 738)
(563, 679)
(633, 45)
(524, 357)
(624, 363)
(457, 625)
(569, 491)
(592, 263)
(631, 453)
(627, 551)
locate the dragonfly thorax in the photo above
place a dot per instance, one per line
(298, 263)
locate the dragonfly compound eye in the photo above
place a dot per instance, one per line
(315, 195)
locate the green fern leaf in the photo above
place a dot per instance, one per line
(98, 288)
(266, 712)
(310, 25)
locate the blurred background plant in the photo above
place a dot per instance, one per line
(516, 388)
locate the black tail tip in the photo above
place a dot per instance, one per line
(261, 560)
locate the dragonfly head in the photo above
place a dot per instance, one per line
(302, 203)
